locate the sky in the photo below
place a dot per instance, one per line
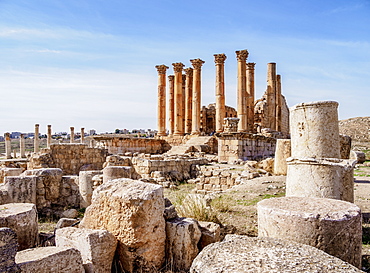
(91, 63)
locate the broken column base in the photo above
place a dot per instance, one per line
(333, 226)
(324, 178)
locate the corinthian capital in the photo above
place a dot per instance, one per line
(188, 71)
(250, 66)
(220, 58)
(177, 67)
(197, 63)
(161, 68)
(171, 77)
(242, 55)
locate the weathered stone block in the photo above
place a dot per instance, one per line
(22, 219)
(133, 212)
(283, 151)
(210, 234)
(50, 259)
(86, 185)
(114, 172)
(330, 225)
(265, 255)
(183, 235)
(20, 189)
(8, 249)
(97, 247)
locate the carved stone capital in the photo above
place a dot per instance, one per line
(242, 55)
(197, 63)
(220, 58)
(177, 67)
(171, 77)
(188, 71)
(161, 68)
(250, 66)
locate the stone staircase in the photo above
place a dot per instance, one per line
(195, 144)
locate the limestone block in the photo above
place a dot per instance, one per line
(183, 235)
(359, 156)
(22, 219)
(265, 255)
(70, 213)
(210, 234)
(282, 152)
(69, 191)
(333, 226)
(8, 249)
(65, 222)
(133, 212)
(9, 172)
(50, 259)
(114, 172)
(86, 185)
(327, 178)
(97, 247)
(169, 210)
(20, 189)
(314, 130)
(345, 146)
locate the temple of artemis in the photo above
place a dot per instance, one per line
(256, 120)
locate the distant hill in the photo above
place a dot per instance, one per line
(357, 128)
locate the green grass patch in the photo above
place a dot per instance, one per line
(257, 199)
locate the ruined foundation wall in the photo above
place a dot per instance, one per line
(71, 158)
(244, 146)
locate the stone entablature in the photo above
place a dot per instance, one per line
(244, 146)
(120, 144)
(71, 158)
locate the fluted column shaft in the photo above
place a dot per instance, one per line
(36, 139)
(220, 91)
(171, 104)
(22, 147)
(183, 102)
(278, 104)
(179, 126)
(72, 135)
(197, 64)
(242, 56)
(82, 135)
(48, 140)
(188, 99)
(250, 97)
(271, 95)
(161, 99)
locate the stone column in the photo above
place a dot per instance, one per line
(188, 99)
(171, 104)
(282, 152)
(82, 135)
(22, 146)
(242, 56)
(184, 103)
(72, 135)
(250, 97)
(161, 99)
(278, 104)
(220, 91)
(8, 147)
(177, 67)
(271, 96)
(36, 140)
(197, 64)
(49, 137)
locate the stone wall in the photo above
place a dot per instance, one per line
(244, 146)
(71, 158)
(122, 144)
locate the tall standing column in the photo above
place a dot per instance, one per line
(278, 104)
(188, 98)
(183, 102)
(49, 137)
(220, 91)
(8, 146)
(250, 97)
(271, 95)
(36, 139)
(197, 64)
(242, 56)
(171, 104)
(161, 99)
(82, 135)
(72, 135)
(179, 127)
(22, 146)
